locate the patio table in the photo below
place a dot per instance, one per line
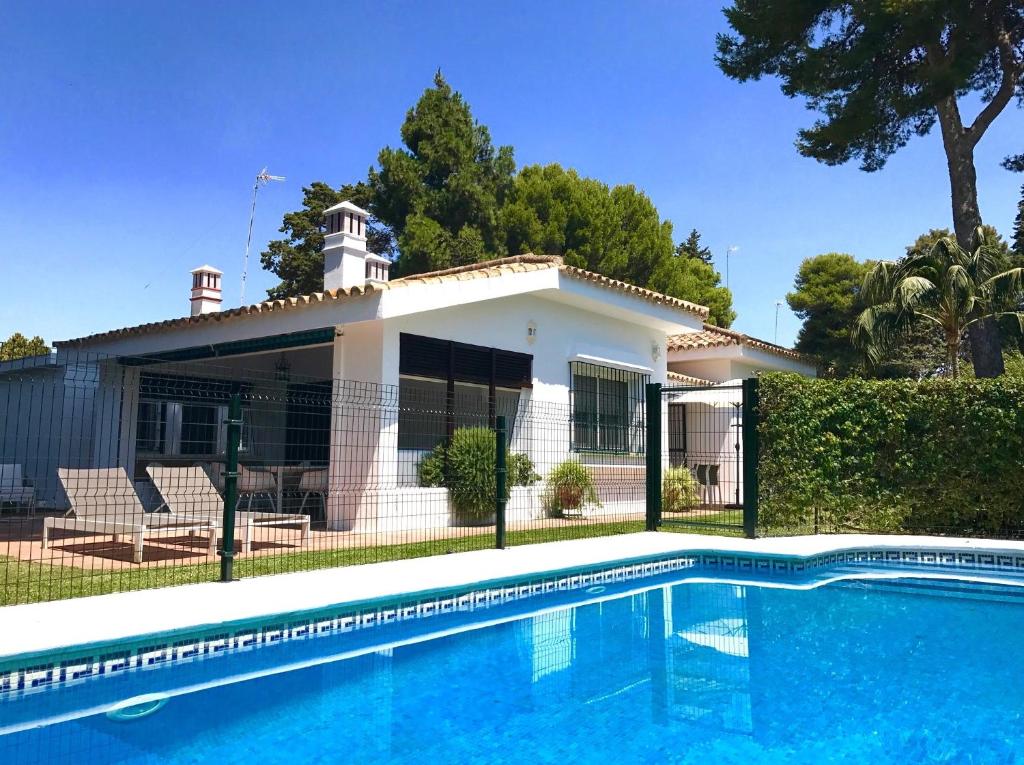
(280, 473)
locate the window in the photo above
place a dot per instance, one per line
(200, 425)
(308, 423)
(151, 427)
(677, 434)
(183, 416)
(446, 385)
(422, 414)
(607, 408)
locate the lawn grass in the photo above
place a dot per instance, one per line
(715, 520)
(33, 582)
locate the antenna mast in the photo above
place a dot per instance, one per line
(262, 179)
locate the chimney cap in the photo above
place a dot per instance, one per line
(206, 270)
(348, 207)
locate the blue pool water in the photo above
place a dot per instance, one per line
(903, 671)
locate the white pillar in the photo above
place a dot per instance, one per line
(361, 472)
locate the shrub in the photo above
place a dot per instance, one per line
(679, 490)
(432, 468)
(521, 471)
(570, 487)
(892, 455)
(467, 469)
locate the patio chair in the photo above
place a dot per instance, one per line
(189, 493)
(256, 483)
(103, 501)
(312, 483)
(707, 479)
(14, 489)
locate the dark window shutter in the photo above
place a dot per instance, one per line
(472, 364)
(429, 357)
(423, 356)
(513, 370)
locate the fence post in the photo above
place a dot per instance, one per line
(653, 456)
(751, 412)
(234, 436)
(500, 480)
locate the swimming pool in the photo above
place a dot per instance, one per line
(907, 669)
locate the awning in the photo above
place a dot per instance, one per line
(727, 394)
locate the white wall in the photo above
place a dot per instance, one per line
(364, 430)
(712, 435)
(734, 362)
(563, 331)
(715, 370)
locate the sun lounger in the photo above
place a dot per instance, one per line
(188, 492)
(103, 501)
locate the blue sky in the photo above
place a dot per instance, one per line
(131, 132)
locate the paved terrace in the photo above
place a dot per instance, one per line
(21, 538)
(51, 626)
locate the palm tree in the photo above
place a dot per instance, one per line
(946, 286)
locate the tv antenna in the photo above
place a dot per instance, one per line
(732, 248)
(262, 179)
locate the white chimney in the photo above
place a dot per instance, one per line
(347, 264)
(205, 290)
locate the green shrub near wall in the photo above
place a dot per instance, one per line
(937, 456)
(468, 469)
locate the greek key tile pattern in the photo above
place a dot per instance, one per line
(59, 672)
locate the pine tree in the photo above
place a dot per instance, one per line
(692, 248)
(17, 346)
(448, 197)
(440, 193)
(879, 74)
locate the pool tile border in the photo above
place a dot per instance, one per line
(40, 674)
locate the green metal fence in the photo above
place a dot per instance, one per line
(702, 467)
(124, 473)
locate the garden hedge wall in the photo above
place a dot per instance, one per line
(937, 456)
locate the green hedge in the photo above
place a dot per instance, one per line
(937, 456)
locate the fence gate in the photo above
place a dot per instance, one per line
(702, 457)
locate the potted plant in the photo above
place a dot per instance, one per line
(570, 487)
(466, 467)
(679, 491)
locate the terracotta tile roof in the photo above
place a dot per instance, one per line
(646, 294)
(485, 270)
(679, 377)
(717, 337)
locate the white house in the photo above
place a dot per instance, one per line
(362, 376)
(526, 333)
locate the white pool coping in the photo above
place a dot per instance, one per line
(63, 624)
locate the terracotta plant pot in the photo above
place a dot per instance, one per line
(569, 497)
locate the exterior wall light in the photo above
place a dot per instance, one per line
(531, 332)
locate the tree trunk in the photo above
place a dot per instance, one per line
(986, 347)
(952, 355)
